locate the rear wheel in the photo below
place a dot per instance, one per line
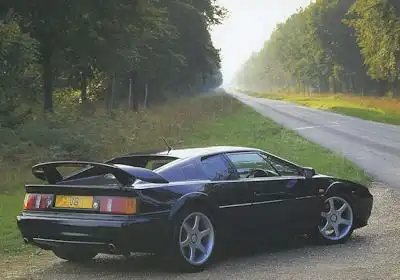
(193, 240)
(74, 255)
(336, 220)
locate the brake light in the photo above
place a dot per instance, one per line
(116, 205)
(38, 201)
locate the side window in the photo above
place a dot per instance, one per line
(285, 169)
(252, 165)
(192, 172)
(217, 168)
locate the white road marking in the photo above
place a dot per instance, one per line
(317, 126)
(306, 127)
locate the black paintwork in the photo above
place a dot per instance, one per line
(278, 203)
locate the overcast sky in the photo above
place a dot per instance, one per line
(249, 24)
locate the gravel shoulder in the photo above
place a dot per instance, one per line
(372, 253)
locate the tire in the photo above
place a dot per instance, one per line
(337, 223)
(74, 256)
(193, 240)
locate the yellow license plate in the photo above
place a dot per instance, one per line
(73, 201)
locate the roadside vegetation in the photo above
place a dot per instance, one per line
(331, 46)
(88, 79)
(100, 135)
(379, 109)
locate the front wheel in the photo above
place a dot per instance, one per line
(194, 240)
(336, 220)
(74, 256)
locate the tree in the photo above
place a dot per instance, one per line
(166, 42)
(18, 69)
(377, 28)
(313, 48)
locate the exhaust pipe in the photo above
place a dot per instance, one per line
(112, 248)
(26, 241)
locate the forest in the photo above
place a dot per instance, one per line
(335, 46)
(70, 51)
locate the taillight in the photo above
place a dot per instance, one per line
(38, 201)
(115, 205)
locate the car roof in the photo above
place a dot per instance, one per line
(205, 151)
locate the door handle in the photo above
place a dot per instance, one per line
(259, 193)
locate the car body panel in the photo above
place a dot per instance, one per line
(266, 204)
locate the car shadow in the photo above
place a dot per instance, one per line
(229, 252)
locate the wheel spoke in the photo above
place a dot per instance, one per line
(345, 222)
(331, 205)
(204, 233)
(342, 208)
(325, 226)
(335, 227)
(187, 228)
(196, 222)
(192, 253)
(202, 248)
(186, 242)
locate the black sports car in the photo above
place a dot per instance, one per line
(183, 202)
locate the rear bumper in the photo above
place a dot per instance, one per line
(101, 233)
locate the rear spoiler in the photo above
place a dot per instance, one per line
(124, 174)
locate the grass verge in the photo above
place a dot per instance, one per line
(203, 121)
(379, 109)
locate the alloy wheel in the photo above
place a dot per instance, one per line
(337, 219)
(196, 238)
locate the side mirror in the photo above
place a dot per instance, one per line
(309, 172)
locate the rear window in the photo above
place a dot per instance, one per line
(157, 163)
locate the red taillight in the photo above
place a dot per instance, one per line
(116, 205)
(38, 201)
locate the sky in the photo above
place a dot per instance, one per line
(249, 24)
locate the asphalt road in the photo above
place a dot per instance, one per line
(373, 146)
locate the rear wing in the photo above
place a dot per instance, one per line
(124, 174)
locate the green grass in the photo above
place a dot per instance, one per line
(204, 121)
(385, 110)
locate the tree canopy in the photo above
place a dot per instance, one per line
(89, 45)
(331, 45)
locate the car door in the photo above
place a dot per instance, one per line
(231, 196)
(303, 201)
(277, 198)
(269, 192)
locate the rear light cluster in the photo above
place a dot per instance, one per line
(38, 201)
(101, 204)
(115, 205)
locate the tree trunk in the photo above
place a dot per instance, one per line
(111, 105)
(83, 88)
(135, 99)
(47, 79)
(334, 89)
(130, 95)
(146, 92)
